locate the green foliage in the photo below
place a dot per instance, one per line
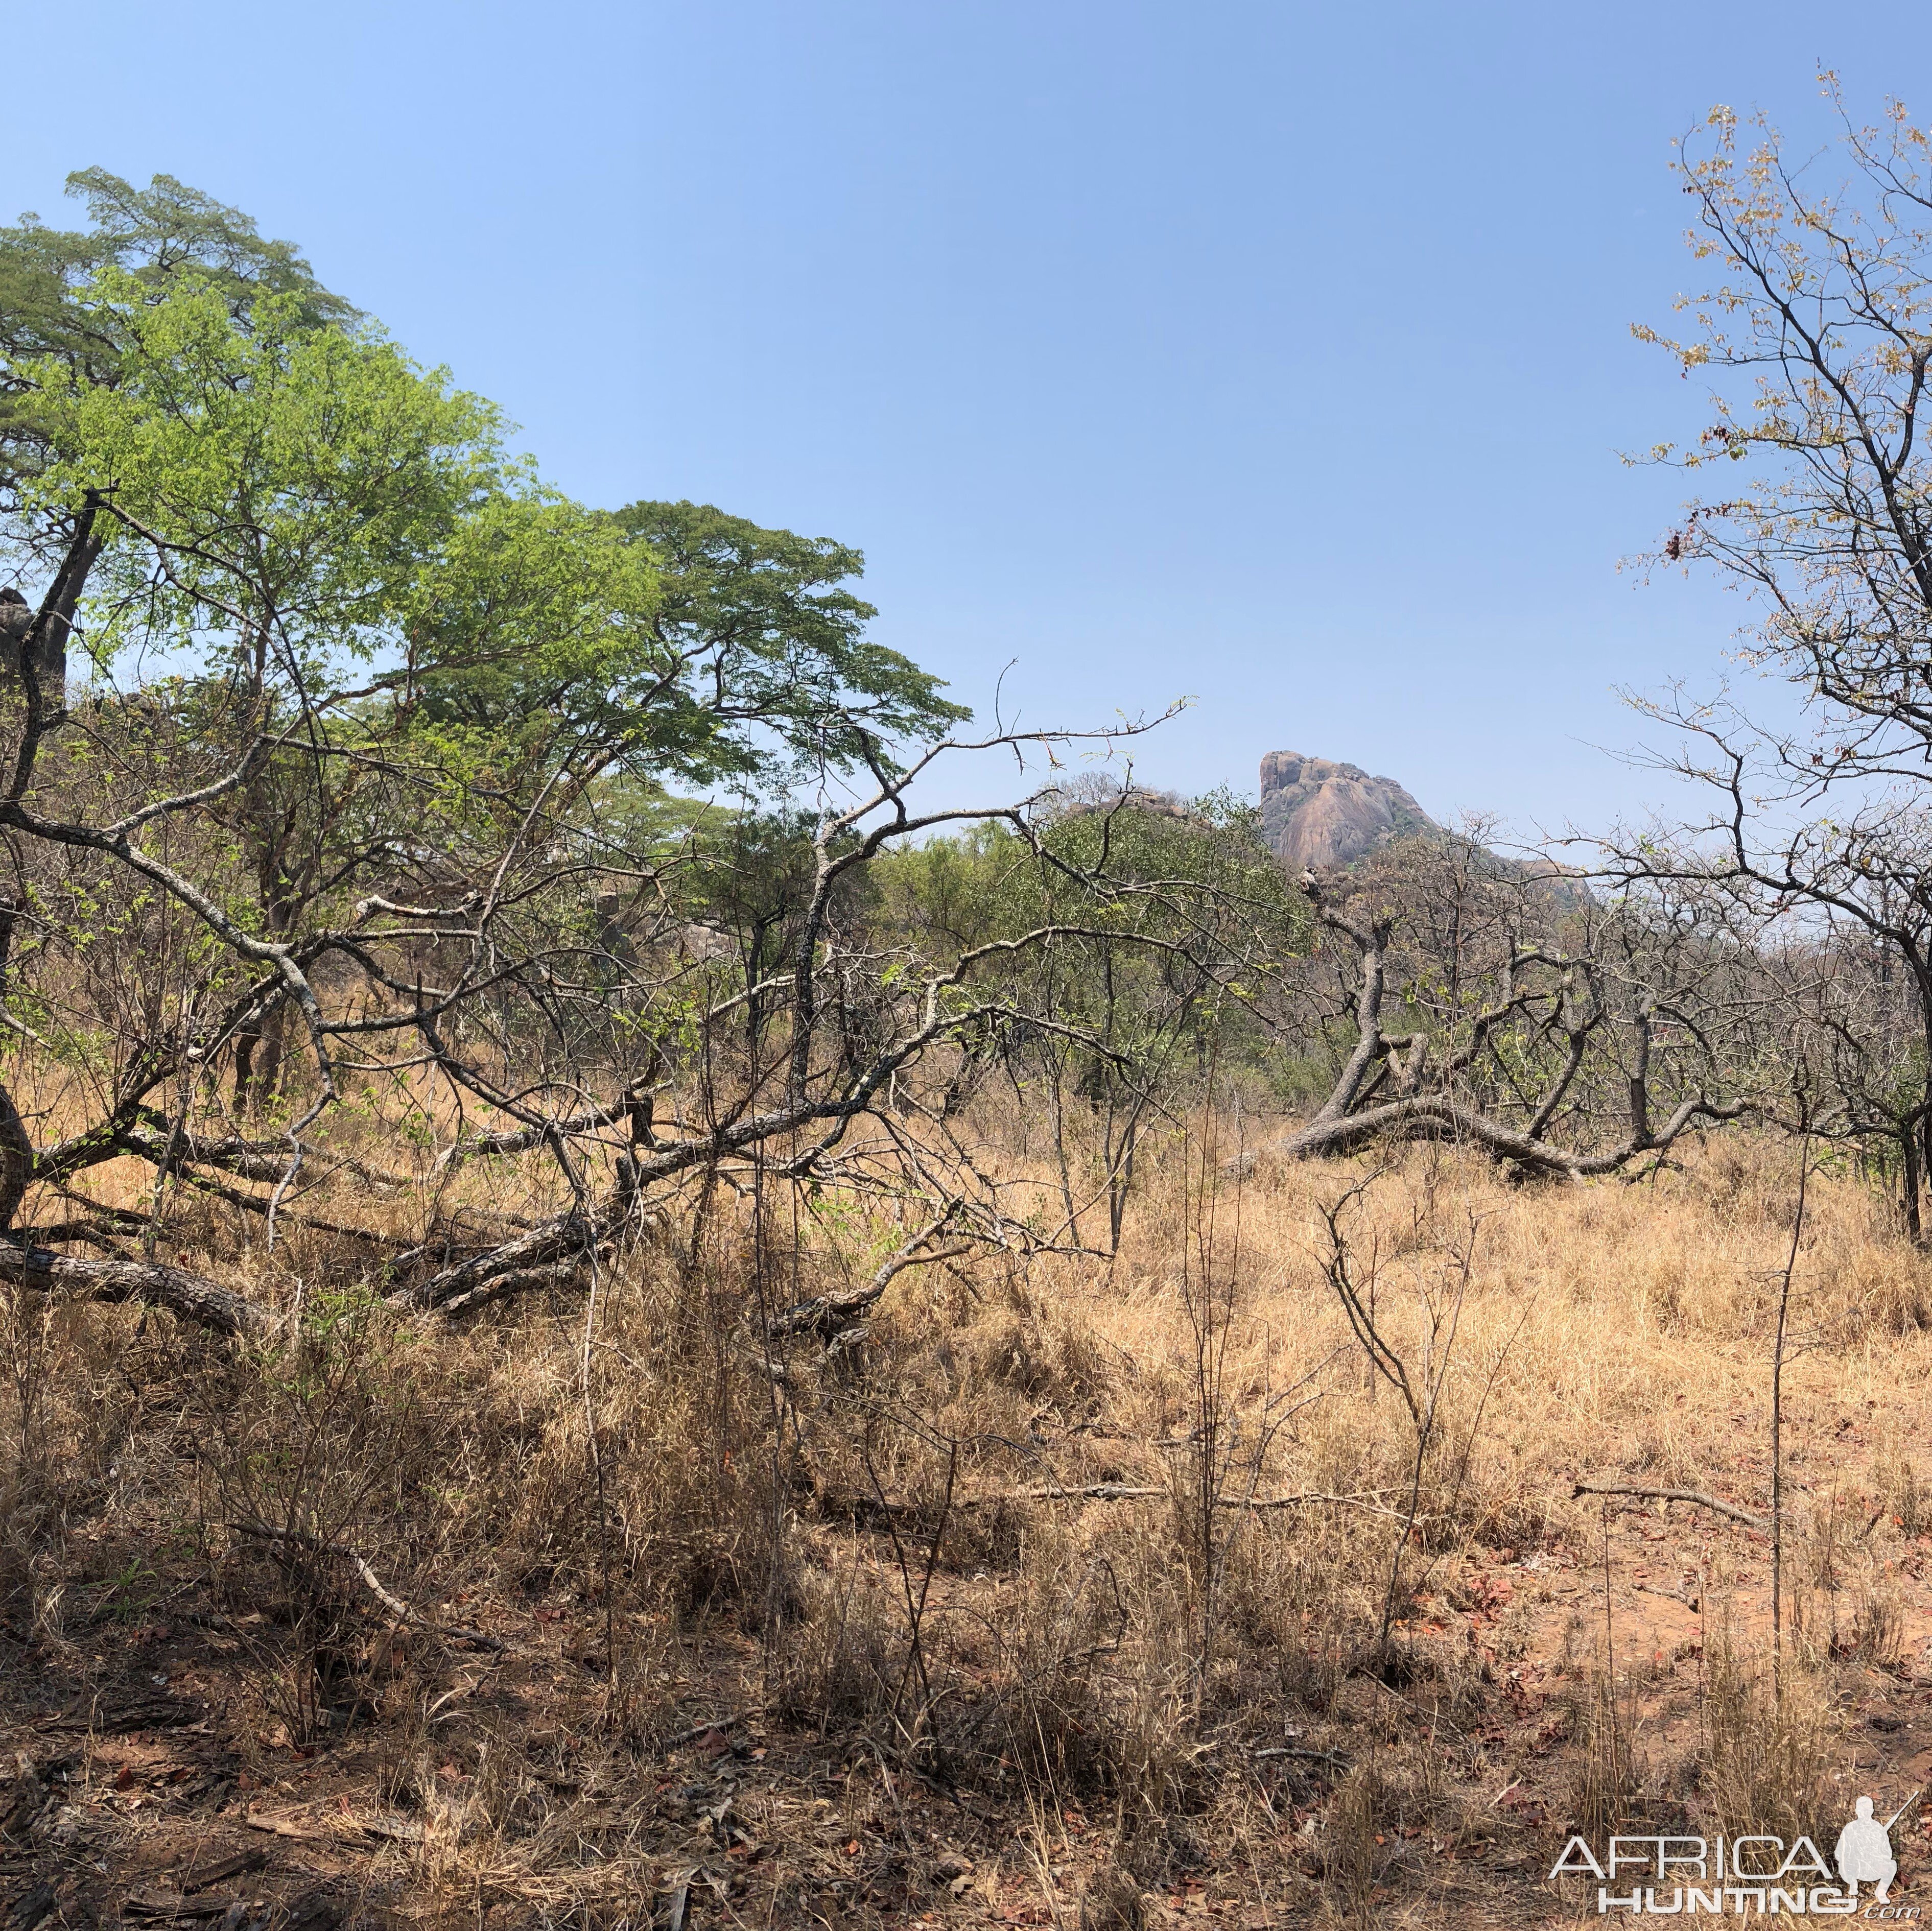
(762, 617)
(536, 616)
(1123, 866)
(277, 492)
(311, 541)
(291, 505)
(285, 483)
(1167, 926)
(385, 712)
(154, 236)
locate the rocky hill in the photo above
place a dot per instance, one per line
(1318, 813)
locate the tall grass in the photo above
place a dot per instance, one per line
(888, 1549)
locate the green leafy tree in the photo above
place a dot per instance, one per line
(153, 235)
(391, 753)
(774, 639)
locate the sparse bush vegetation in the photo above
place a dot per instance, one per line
(604, 1340)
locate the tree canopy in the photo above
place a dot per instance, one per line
(153, 235)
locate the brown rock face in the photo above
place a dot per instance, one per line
(1318, 813)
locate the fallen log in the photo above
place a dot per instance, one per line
(829, 1315)
(572, 1237)
(190, 1298)
(1427, 1117)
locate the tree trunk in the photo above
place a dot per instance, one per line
(16, 1160)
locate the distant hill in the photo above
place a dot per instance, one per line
(1320, 816)
(1317, 813)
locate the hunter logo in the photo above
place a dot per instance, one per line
(1752, 1875)
(1864, 1851)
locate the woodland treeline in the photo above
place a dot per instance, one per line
(372, 810)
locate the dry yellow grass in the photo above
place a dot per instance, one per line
(1156, 1702)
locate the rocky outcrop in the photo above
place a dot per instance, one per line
(1317, 813)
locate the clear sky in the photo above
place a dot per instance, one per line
(1276, 356)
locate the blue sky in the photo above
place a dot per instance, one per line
(1275, 355)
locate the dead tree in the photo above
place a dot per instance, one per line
(1570, 1041)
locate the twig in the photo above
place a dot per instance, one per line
(1314, 1497)
(1334, 1757)
(1095, 1492)
(1695, 1496)
(827, 1313)
(722, 1723)
(1126, 1492)
(314, 1545)
(1675, 1595)
(283, 1826)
